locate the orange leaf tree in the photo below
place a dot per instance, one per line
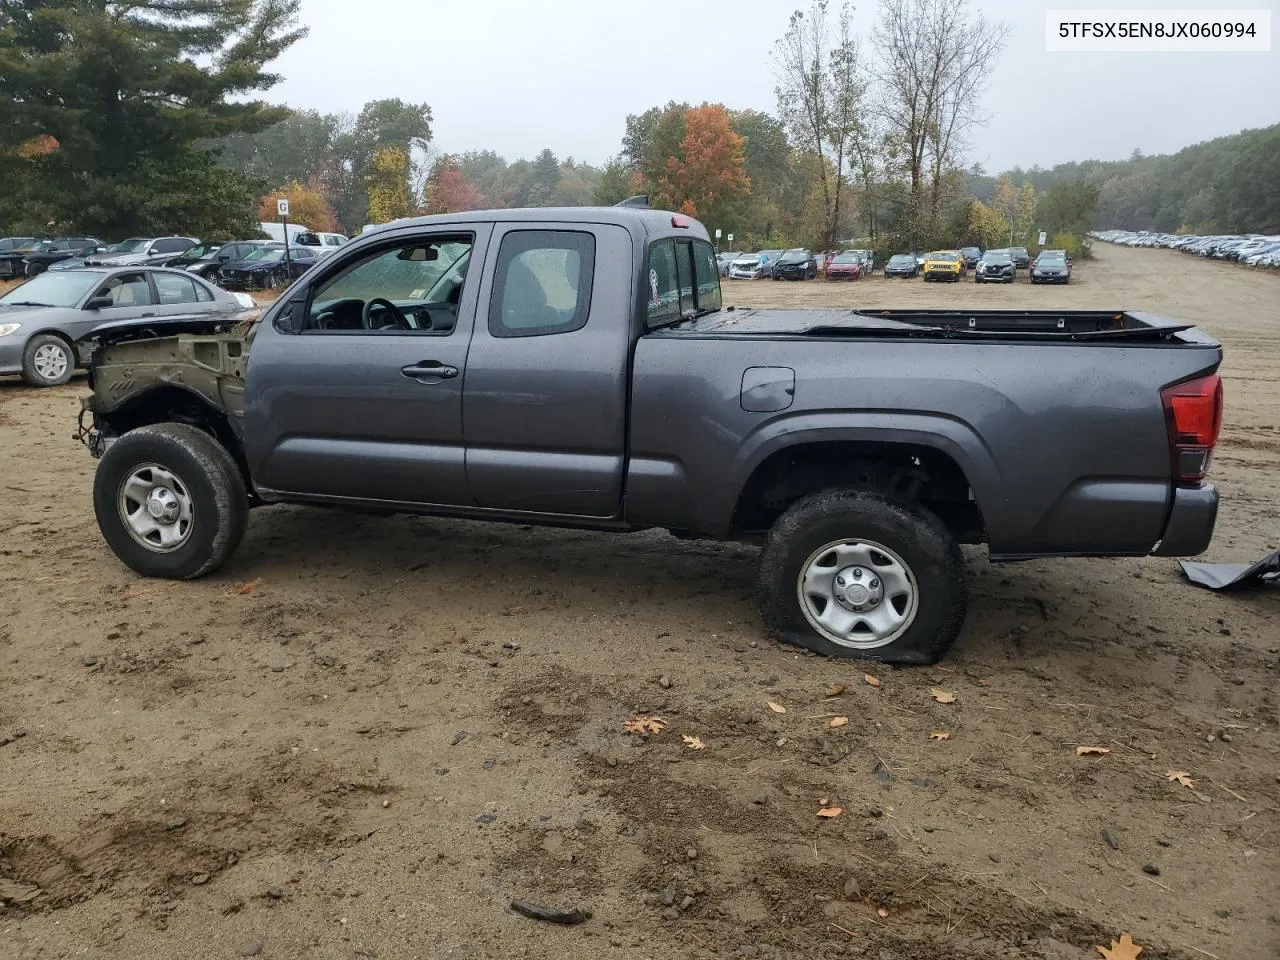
(709, 176)
(307, 206)
(448, 189)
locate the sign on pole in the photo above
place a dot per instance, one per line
(282, 207)
(717, 233)
(1042, 238)
(731, 238)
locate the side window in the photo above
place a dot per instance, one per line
(174, 289)
(683, 278)
(127, 290)
(412, 287)
(542, 284)
(707, 275)
(173, 245)
(203, 293)
(664, 291)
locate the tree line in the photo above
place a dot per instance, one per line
(866, 140)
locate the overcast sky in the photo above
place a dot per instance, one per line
(518, 75)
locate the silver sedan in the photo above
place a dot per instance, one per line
(41, 320)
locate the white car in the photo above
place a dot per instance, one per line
(325, 243)
(747, 267)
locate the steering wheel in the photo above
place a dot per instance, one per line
(399, 320)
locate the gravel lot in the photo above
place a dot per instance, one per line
(408, 722)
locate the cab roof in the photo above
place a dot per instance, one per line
(636, 219)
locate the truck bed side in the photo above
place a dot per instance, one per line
(1063, 444)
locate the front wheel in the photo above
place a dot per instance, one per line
(48, 361)
(170, 501)
(856, 574)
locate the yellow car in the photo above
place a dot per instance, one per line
(944, 265)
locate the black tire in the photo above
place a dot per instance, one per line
(35, 269)
(41, 346)
(925, 546)
(212, 481)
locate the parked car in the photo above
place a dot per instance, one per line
(796, 264)
(13, 256)
(994, 266)
(206, 259)
(572, 374)
(920, 257)
(326, 242)
(723, 259)
(902, 265)
(944, 265)
(42, 318)
(56, 251)
(845, 266)
(275, 231)
(768, 260)
(267, 266)
(1021, 258)
(749, 266)
(1054, 253)
(971, 256)
(139, 251)
(1050, 269)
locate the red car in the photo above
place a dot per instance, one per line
(845, 266)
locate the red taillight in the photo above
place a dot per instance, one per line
(1193, 416)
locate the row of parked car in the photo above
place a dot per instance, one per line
(995, 266)
(1254, 250)
(76, 286)
(796, 264)
(259, 262)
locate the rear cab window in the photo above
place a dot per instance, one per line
(683, 280)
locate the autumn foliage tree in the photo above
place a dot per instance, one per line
(389, 185)
(307, 206)
(710, 172)
(448, 189)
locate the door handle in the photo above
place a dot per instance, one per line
(149, 314)
(430, 370)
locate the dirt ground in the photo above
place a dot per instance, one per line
(410, 722)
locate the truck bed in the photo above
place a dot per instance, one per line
(1050, 325)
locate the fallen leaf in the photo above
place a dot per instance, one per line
(940, 735)
(839, 721)
(830, 813)
(882, 913)
(645, 725)
(874, 681)
(835, 691)
(247, 587)
(694, 743)
(776, 707)
(1100, 751)
(1182, 777)
(984, 683)
(1122, 949)
(943, 696)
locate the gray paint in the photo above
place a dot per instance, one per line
(1063, 442)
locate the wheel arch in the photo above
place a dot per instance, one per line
(937, 460)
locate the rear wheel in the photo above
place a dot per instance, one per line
(857, 574)
(48, 361)
(170, 501)
(35, 269)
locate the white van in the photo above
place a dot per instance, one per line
(276, 231)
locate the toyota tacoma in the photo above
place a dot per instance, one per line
(577, 368)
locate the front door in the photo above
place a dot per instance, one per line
(547, 376)
(355, 391)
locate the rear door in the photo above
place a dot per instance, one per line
(545, 400)
(355, 391)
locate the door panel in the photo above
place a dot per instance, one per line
(362, 414)
(545, 415)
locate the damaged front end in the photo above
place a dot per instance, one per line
(184, 370)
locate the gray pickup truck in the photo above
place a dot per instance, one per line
(576, 367)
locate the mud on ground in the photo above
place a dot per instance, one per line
(409, 722)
